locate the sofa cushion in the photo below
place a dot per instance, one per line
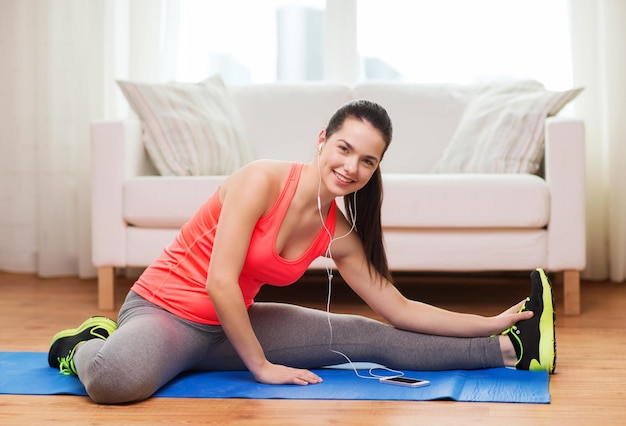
(190, 129)
(465, 201)
(502, 129)
(166, 201)
(411, 200)
(467, 249)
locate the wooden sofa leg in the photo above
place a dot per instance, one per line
(571, 292)
(106, 288)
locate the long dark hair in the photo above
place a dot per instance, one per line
(367, 211)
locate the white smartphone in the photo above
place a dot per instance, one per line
(405, 381)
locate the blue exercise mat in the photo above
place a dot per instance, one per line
(28, 373)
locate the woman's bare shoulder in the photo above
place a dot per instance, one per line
(265, 170)
(263, 177)
(268, 167)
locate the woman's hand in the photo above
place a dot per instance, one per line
(275, 374)
(510, 317)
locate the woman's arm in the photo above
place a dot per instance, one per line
(385, 299)
(245, 197)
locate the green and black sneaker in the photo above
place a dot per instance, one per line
(534, 339)
(65, 342)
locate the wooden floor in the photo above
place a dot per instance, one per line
(588, 389)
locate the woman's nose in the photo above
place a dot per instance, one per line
(351, 165)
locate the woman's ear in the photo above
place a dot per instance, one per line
(321, 139)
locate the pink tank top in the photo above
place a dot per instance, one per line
(176, 280)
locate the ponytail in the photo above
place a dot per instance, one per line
(368, 223)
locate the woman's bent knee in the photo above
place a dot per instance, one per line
(106, 384)
(108, 392)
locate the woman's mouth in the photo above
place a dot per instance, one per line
(342, 179)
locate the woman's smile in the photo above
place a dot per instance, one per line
(343, 179)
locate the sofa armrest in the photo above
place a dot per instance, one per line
(117, 152)
(565, 175)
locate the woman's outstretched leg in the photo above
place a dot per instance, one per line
(301, 337)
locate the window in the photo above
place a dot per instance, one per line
(250, 41)
(464, 41)
(461, 41)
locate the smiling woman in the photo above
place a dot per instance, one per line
(194, 307)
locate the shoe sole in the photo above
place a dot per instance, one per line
(547, 343)
(100, 322)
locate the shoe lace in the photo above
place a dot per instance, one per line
(66, 365)
(523, 308)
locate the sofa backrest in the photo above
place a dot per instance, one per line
(283, 120)
(424, 117)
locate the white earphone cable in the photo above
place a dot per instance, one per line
(329, 272)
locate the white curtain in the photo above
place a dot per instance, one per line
(59, 62)
(598, 36)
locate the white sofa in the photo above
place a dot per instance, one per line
(432, 221)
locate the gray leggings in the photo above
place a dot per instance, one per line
(152, 346)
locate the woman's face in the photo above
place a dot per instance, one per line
(350, 156)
